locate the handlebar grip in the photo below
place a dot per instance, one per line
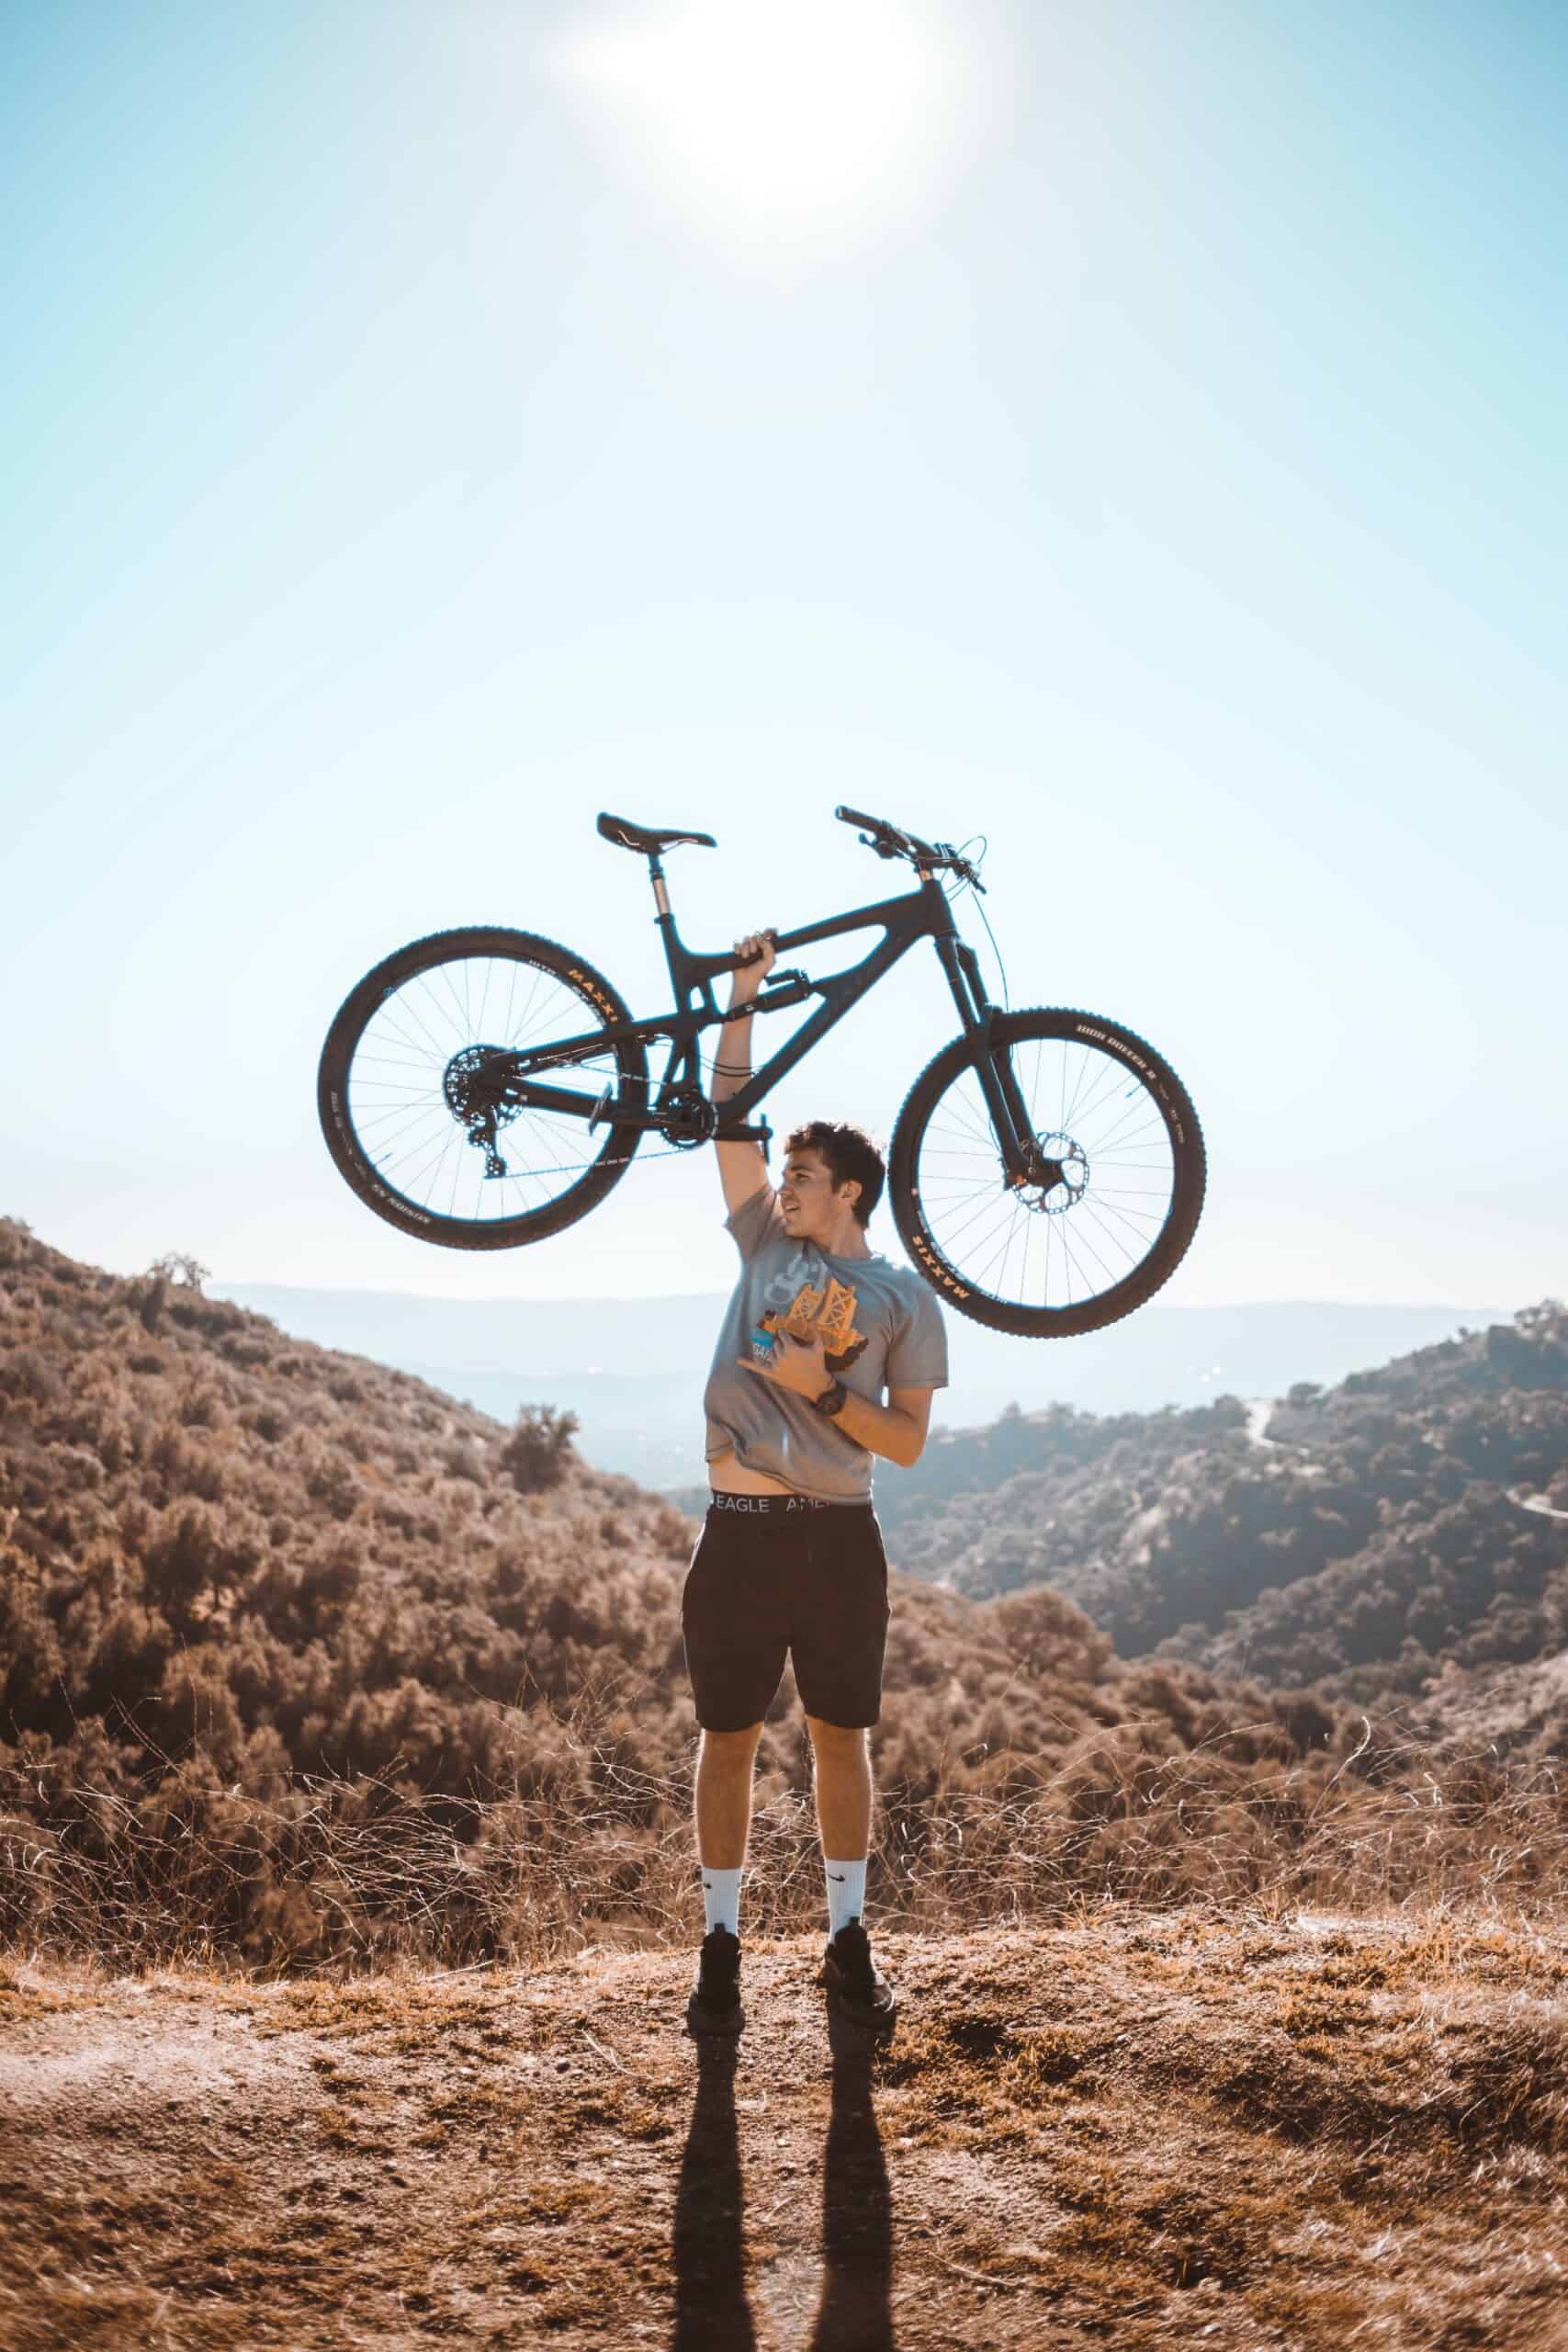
(858, 817)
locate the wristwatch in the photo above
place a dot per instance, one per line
(832, 1399)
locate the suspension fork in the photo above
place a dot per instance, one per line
(998, 1083)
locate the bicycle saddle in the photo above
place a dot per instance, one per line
(637, 837)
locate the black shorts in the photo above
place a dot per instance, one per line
(778, 1573)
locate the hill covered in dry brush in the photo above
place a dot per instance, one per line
(1372, 1541)
(303, 1660)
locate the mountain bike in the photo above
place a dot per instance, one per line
(485, 1088)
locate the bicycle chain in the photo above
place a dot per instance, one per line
(578, 1167)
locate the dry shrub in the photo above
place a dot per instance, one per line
(581, 1845)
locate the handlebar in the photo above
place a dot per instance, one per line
(887, 840)
(891, 840)
(859, 817)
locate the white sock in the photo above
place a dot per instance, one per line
(721, 1898)
(846, 1893)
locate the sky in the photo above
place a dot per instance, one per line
(1133, 435)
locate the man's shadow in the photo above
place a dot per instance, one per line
(854, 2309)
(711, 2314)
(855, 2313)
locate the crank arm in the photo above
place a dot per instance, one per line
(761, 1133)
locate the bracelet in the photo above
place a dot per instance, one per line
(734, 1069)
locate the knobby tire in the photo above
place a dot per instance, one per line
(606, 1167)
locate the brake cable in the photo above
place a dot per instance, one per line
(965, 881)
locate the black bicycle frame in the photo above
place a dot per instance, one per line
(922, 913)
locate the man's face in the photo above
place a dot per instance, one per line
(807, 1197)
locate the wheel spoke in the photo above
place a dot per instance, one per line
(1082, 1233)
(1085, 1067)
(445, 973)
(1104, 1086)
(408, 1009)
(1118, 1135)
(425, 1111)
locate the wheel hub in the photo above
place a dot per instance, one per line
(1057, 1175)
(475, 1099)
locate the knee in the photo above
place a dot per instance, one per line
(732, 1746)
(835, 1739)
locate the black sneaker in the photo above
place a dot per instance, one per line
(857, 1990)
(714, 2006)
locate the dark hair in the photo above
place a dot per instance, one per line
(847, 1152)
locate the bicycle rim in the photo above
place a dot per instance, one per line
(1119, 1197)
(431, 1013)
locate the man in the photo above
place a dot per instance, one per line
(790, 1556)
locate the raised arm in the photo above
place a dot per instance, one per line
(741, 1168)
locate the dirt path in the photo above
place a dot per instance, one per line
(1536, 1503)
(1140, 2133)
(1259, 1412)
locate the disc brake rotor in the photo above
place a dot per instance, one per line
(1058, 1175)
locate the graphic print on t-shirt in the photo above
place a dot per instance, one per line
(828, 1313)
(887, 1327)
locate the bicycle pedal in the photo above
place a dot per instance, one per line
(783, 988)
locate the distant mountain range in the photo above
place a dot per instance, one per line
(632, 1369)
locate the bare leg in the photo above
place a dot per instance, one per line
(725, 1763)
(843, 1789)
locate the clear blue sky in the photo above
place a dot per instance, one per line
(1137, 433)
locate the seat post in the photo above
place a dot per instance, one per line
(656, 876)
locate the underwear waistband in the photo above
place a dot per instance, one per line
(777, 1505)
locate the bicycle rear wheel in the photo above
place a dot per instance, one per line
(403, 1107)
(1123, 1177)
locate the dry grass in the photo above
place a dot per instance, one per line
(361, 1877)
(1149, 2129)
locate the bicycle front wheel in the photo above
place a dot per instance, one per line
(1122, 1173)
(410, 1122)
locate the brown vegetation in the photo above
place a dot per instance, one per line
(1374, 1543)
(290, 1668)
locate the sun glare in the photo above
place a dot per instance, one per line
(785, 129)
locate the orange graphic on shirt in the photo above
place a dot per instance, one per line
(828, 1314)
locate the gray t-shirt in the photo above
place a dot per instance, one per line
(881, 1327)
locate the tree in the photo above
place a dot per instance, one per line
(176, 1267)
(150, 1296)
(539, 1450)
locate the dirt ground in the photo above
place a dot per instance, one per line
(1139, 2133)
